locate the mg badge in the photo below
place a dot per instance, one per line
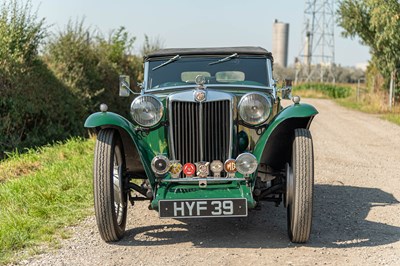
(203, 169)
(175, 169)
(199, 95)
(230, 167)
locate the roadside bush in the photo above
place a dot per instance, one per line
(116, 58)
(90, 64)
(332, 91)
(45, 98)
(35, 108)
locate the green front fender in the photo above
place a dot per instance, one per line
(101, 119)
(133, 141)
(274, 145)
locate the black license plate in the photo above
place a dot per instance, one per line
(203, 208)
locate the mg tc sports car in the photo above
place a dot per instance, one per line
(207, 137)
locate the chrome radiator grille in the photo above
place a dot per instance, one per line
(201, 132)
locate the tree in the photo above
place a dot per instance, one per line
(377, 24)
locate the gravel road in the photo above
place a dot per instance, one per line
(356, 213)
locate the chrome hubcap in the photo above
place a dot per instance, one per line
(289, 185)
(118, 201)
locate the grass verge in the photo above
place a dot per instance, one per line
(322, 90)
(367, 102)
(394, 118)
(372, 103)
(41, 192)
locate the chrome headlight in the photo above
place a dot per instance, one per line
(254, 108)
(147, 110)
(246, 163)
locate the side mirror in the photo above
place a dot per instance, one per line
(124, 86)
(287, 89)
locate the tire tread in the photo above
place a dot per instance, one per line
(304, 169)
(103, 202)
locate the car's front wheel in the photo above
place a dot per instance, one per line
(300, 187)
(110, 198)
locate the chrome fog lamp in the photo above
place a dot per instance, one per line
(147, 110)
(255, 108)
(160, 165)
(246, 163)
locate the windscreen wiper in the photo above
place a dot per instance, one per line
(176, 57)
(224, 59)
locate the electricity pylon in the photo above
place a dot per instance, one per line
(317, 55)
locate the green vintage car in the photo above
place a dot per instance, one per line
(207, 137)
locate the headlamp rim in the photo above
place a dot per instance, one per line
(269, 108)
(161, 109)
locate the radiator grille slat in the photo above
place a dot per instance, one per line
(215, 128)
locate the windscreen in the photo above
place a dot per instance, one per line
(242, 70)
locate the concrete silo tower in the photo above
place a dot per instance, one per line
(280, 43)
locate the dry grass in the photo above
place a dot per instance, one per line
(373, 103)
(310, 94)
(366, 101)
(395, 118)
(13, 169)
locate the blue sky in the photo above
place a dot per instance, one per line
(180, 23)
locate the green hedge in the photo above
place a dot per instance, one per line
(46, 98)
(35, 107)
(90, 64)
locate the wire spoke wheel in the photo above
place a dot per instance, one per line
(110, 199)
(300, 187)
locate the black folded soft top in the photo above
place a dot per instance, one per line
(243, 50)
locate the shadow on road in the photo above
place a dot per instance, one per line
(340, 214)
